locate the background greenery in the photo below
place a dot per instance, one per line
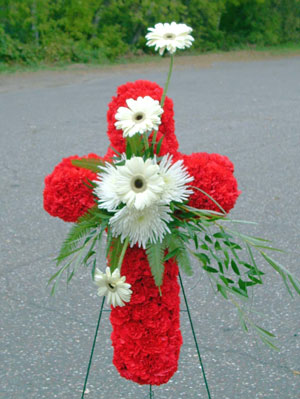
(34, 31)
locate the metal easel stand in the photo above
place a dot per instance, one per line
(151, 393)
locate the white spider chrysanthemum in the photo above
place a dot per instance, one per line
(113, 286)
(140, 116)
(150, 224)
(175, 178)
(105, 188)
(169, 37)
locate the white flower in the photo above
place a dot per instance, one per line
(113, 286)
(139, 184)
(141, 226)
(175, 178)
(169, 36)
(142, 115)
(105, 188)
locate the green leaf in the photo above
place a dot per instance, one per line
(171, 254)
(203, 258)
(129, 150)
(268, 248)
(235, 268)
(239, 291)
(155, 255)
(210, 269)
(242, 285)
(88, 163)
(294, 283)
(204, 247)
(115, 252)
(158, 147)
(184, 261)
(218, 246)
(242, 321)
(208, 239)
(221, 267)
(269, 343)
(253, 279)
(221, 234)
(264, 331)
(178, 249)
(232, 245)
(222, 290)
(284, 273)
(256, 271)
(115, 151)
(196, 242)
(226, 280)
(93, 269)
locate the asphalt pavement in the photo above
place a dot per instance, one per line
(249, 111)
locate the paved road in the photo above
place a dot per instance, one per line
(248, 111)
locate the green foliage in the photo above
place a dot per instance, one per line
(155, 255)
(33, 31)
(88, 163)
(177, 250)
(79, 246)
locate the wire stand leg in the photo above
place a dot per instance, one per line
(151, 393)
(92, 351)
(195, 339)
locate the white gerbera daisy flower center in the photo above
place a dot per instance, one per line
(112, 287)
(138, 184)
(139, 117)
(169, 36)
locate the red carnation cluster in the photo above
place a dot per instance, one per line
(65, 195)
(142, 88)
(213, 173)
(146, 332)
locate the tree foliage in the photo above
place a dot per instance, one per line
(94, 30)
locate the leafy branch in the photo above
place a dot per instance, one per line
(79, 246)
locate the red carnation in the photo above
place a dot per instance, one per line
(213, 173)
(142, 88)
(146, 332)
(65, 194)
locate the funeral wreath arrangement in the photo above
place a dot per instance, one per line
(155, 209)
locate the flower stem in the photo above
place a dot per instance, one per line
(146, 141)
(162, 101)
(125, 245)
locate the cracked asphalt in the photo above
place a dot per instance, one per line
(247, 110)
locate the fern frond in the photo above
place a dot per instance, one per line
(79, 230)
(155, 255)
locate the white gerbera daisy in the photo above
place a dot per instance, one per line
(142, 115)
(113, 286)
(169, 36)
(138, 183)
(150, 224)
(175, 178)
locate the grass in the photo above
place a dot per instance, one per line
(276, 50)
